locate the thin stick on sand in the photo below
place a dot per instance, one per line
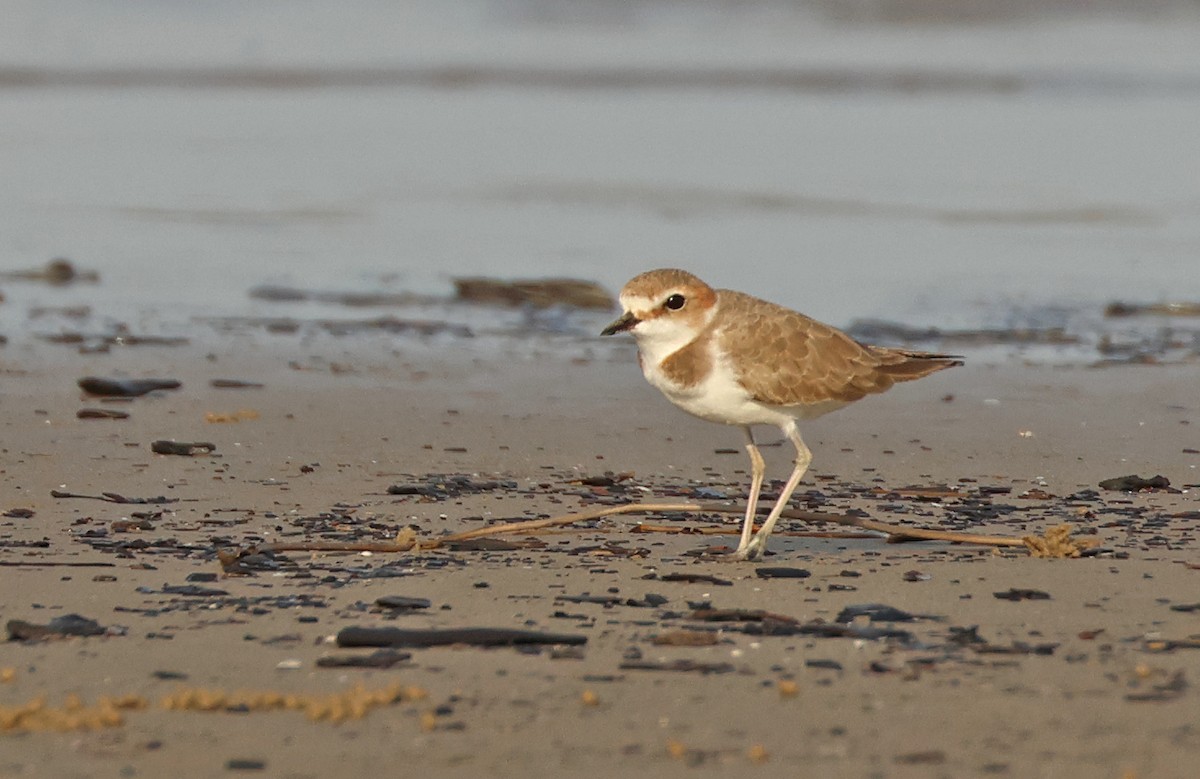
(729, 530)
(890, 532)
(893, 533)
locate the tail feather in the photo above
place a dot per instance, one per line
(905, 365)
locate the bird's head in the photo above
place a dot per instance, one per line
(665, 306)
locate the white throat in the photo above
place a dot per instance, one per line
(660, 337)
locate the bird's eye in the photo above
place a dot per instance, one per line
(675, 302)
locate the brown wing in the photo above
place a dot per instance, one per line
(788, 359)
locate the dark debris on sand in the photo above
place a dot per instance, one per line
(674, 631)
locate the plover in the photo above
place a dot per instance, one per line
(731, 358)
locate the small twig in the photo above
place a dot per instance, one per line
(112, 497)
(725, 530)
(565, 519)
(336, 546)
(892, 533)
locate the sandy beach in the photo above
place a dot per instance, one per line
(272, 212)
(1092, 677)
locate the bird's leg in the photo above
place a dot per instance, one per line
(757, 468)
(757, 545)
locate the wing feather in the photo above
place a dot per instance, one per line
(788, 359)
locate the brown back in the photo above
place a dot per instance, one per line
(788, 359)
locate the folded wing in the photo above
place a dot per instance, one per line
(789, 359)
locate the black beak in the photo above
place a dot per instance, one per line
(627, 321)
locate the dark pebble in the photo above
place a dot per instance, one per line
(397, 637)
(66, 625)
(262, 561)
(709, 493)
(603, 600)
(402, 602)
(1135, 483)
(124, 388)
(876, 612)
(693, 578)
(181, 447)
(781, 573)
(1015, 648)
(101, 413)
(441, 486)
(245, 764)
(1015, 594)
(192, 591)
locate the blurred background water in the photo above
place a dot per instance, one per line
(938, 163)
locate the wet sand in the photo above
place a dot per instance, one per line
(950, 170)
(1097, 680)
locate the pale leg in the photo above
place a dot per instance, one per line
(757, 469)
(757, 545)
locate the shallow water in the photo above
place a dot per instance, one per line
(966, 172)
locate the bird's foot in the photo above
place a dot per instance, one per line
(754, 549)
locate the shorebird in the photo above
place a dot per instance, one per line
(731, 358)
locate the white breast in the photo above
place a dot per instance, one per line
(718, 397)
